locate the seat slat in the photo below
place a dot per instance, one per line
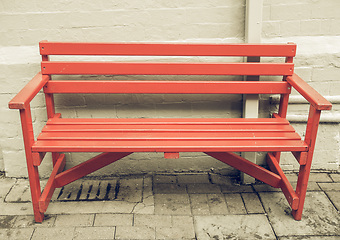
(170, 146)
(168, 121)
(179, 87)
(86, 135)
(168, 68)
(167, 49)
(153, 135)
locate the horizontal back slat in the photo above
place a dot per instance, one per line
(178, 87)
(147, 68)
(167, 49)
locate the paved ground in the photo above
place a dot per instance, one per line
(171, 207)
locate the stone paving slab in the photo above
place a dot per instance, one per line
(233, 227)
(319, 215)
(172, 207)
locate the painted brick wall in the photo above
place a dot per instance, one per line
(25, 23)
(314, 26)
(309, 23)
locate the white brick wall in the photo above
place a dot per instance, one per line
(25, 23)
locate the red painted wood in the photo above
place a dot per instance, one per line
(301, 157)
(24, 97)
(38, 158)
(168, 121)
(170, 68)
(88, 167)
(310, 139)
(171, 155)
(170, 146)
(286, 187)
(312, 96)
(170, 49)
(247, 167)
(185, 87)
(46, 196)
(33, 173)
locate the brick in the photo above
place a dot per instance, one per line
(74, 220)
(184, 232)
(235, 204)
(53, 233)
(19, 234)
(290, 12)
(165, 188)
(113, 220)
(290, 28)
(172, 204)
(335, 177)
(252, 203)
(94, 233)
(193, 178)
(203, 188)
(217, 204)
(135, 232)
(7, 221)
(152, 220)
(164, 179)
(330, 186)
(27, 221)
(199, 204)
(5, 185)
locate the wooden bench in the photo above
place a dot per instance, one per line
(115, 138)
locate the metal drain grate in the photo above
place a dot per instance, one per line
(89, 190)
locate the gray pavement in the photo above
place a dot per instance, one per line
(195, 206)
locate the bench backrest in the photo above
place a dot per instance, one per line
(284, 68)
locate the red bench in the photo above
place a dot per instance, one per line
(115, 138)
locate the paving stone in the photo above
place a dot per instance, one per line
(152, 220)
(5, 186)
(333, 186)
(130, 190)
(184, 232)
(74, 220)
(53, 233)
(165, 179)
(172, 204)
(7, 221)
(319, 216)
(335, 177)
(233, 227)
(178, 221)
(199, 204)
(103, 219)
(193, 178)
(236, 188)
(19, 188)
(16, 234)
(217, 204)
(335, 198)
(86, 207)
(312, 186)
(252, 203)
(134, 232)
(235, 204)
(81, 233)
(319, 177)
(310, 238)
(203, 188)
(170, 188)
(28, 221)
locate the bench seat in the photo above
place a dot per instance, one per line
(168, 135)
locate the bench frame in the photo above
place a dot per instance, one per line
(274, 177)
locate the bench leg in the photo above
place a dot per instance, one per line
(310, 139)
(33, 174)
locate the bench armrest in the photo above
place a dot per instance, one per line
(309, 93)
(24, 97)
